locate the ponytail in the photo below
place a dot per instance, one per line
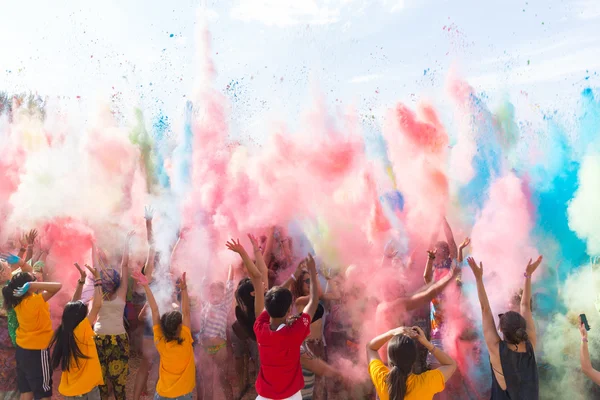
(402, 354)
(17, 281)
(396, 381)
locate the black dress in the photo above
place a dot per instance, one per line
(520, 373)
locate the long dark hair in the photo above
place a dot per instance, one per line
(244, 298)
(17, 281)
(170, 323)
(64, 342)
(402, 354)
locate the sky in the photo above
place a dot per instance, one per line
(275, 57)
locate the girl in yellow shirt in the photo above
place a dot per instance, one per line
(398, 382)
(74, 346)
(29, 300)
(173, 341)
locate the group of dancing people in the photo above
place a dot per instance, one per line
(280, 326)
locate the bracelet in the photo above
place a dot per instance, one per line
(80, 281)
(584, 340)
(97, 285)
(432, 349)
(294, 278)
(526, 276)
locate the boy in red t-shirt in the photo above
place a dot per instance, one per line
(279, 338)
(278, 334)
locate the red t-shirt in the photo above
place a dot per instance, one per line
(280, 374)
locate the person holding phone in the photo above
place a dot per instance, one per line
(584, 354)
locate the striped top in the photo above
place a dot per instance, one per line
(214, 316)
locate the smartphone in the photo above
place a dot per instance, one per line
(584, 321)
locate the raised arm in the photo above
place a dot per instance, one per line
(421, 298)
(49, 289)
(148, 269)
(490, 333)
(379, 341)
(97, 300)
(584, 355)
(463, 245)
(122, 291)
(260, 261)
(295, 276)
(255, 275)
(143, 281)
(428, 274)
(447, 363)
(269, 245)
(17, 262)
(313, 302)
(526, 300)
(31, 236)
(80, 283)
(185, 303)
(450, 239)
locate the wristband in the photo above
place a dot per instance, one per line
(294, 278)
(584, 340)
(80, 281)
(526, 276)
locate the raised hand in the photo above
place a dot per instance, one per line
(31, 236)
(234, 246)
(477, 270)
(465, 243)
(310, 263)
(254, 242)
(431, 253)
(417, 333)
(140, 278)
(148, 213)
(82, 275)
(183, 282)
(10, 258)
(94, 271)
(22, 291)
(582, 329)
(532, 266)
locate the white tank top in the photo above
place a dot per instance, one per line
(110, 318)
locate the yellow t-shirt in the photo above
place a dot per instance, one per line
(35, 326)
(86, 374)
(177, 373)
(418, 387)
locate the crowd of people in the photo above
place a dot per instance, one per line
(271, 319)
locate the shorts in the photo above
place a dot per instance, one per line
(94, 394)
(245, 346)
(33, 372)
(184, 397)
(297, 396)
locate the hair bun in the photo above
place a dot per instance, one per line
(521, 335)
